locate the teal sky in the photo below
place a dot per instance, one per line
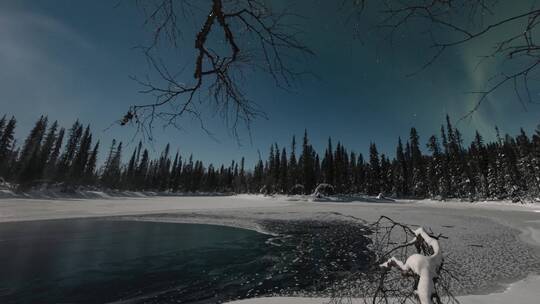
(73, 59)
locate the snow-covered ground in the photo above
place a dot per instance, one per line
(492, 244)
(20, 209)
(524, 291)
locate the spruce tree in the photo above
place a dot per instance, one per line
(243, 186)
(386, 175)
(164, 169)
(80, 160)
(284, 172)
(112, 173)
(400, 172)
(33, 141)
(327, 164)
(111, 168)
(46, 149)
(2, 125)
(270, 172)
(90, 170)
(293, 166)
(258, 176)
(130, 171)
(307, 163)
(374, 175)
(72, 145)
(29, 160)
(51, 164)
(142, 170)
(435, 168)
(277, 168)
(417, 166)
(6, 146)
(479, 166)
(445, 181)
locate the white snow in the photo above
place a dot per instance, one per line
(424, 266)
(35, 209)
(499, 205)
(523, 292)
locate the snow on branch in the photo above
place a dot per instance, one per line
(423, 278)
(425, 267)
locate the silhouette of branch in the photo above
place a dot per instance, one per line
(234, 35)
(453, 23)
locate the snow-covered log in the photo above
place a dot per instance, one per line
(323, 189)
(425, 276)
(297, 189)
(425, 267)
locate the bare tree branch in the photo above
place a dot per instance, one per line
(455, 23)
(218, 70)
(234, 36)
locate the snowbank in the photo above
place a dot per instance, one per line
(317, 197)
(53, 194)
(523, 292)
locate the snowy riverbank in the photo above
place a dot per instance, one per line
(524, 291)
(493, 243)
(59, 194)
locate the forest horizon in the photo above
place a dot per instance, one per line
(52, 156)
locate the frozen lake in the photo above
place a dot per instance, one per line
(109, 260)
(97, 261)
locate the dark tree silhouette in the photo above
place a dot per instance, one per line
(507, 168)
(217, 68)
(232, 36)
(449, 24)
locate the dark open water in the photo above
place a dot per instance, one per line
(100, 261)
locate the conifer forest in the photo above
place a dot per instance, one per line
(51, 156)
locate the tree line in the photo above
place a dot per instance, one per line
(506, 168)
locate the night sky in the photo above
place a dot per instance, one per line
(72, 59)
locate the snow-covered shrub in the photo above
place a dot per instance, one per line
(4, 185)
(265, 190)
(324, 190)
(297, 189)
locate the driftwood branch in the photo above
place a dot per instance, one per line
(423, 278)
